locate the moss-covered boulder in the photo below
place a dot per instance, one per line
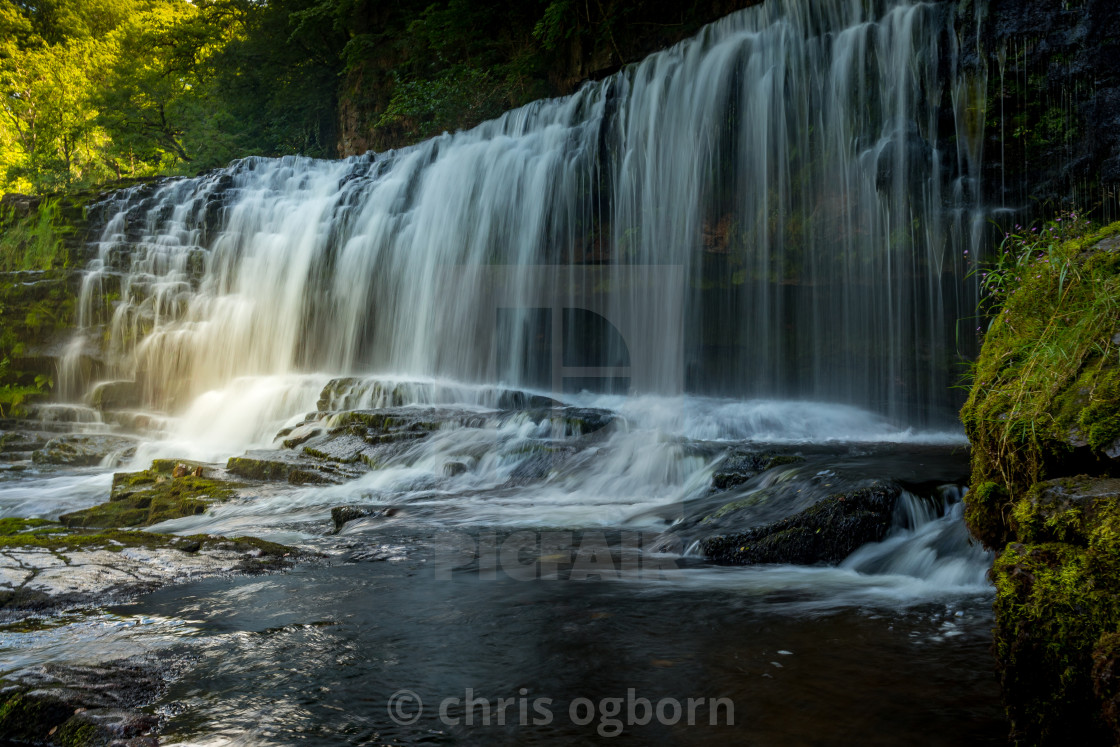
(1057, 606)
(170, 490)
(1045, 397)
(1043, 417)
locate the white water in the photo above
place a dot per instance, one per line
(765, 207)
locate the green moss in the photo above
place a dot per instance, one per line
(58, 538)
(80, 733)
(36, 533)
(11, 526)
(752, 500)
(1048, 378)
(150, 497)
(36, 239)
(165, 467)
(25, 718)
(1054, 601)
(258, 469)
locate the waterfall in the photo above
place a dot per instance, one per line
(780, 207)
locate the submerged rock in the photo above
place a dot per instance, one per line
(451, 469)
(115, 395)
(825, 533)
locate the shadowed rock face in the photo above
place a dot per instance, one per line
(1049, 140)
(827, 532)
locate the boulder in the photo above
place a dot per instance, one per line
(827, 532)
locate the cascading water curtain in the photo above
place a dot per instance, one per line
(803, 166)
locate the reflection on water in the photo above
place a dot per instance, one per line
(314, 657)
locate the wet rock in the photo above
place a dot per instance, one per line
(16, 445)
(299, 435)
(281, 466)
(183, 470)
(571, 422)
(512, 399)
(538, 462)
(451, 469)
(46, 566)
(827, 532)
(908, 154)
(115, 395)
(341, 446)
(740, 466)
(352, 393)
(342, 515)
(83, 451)
(82, 705)
(1067, 509)
(390, 425)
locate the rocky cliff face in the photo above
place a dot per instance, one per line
(45, 246)
(1052, 120)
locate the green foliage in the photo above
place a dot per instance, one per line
(459, 94)
(555, 26)
(96, 91)
(91, 92)
(35, 241)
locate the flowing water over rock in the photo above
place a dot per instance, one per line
(517, 384)
(779, 207)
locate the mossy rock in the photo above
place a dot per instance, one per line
(150, 497)
(1045, 395)
(30, 719)
(277, 467)
(1045, 405)
(57, 537)
(49, 535)
(1054, 602)
(1057, 604)
(986, 510)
